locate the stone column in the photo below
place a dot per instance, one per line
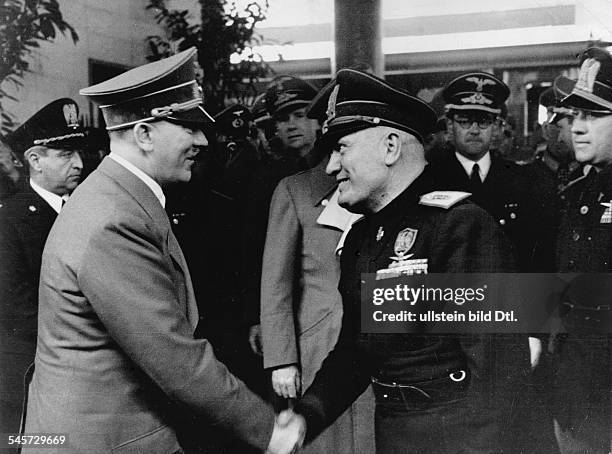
(358, 35)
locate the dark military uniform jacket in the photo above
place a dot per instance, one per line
(462, 238)
(583, 376)
(25, 221)
(518, 200)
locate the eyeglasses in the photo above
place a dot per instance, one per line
(467, 122)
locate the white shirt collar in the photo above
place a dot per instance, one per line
(54, 200)
(146, 179)
(484, 164)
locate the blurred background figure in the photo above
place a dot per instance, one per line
(291, 150)
(555, 156)
(12, 176)
(51, 142)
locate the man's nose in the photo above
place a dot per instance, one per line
(474, 128)
(199, 138)
(333, 166)
(77, 161)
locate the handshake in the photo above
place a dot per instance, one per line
(288, 434)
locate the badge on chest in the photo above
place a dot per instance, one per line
(401, 262)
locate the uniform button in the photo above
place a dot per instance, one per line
(576, 236)
(563, 197)
(584, 209)
(175, 221)
(324, 202)
(590, 238)
(502, 221)
(512, 216)
(571, 264)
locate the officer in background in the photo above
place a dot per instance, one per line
(443, 394)
(556, 158)
(504, 189)
(236, 157)
(286, 99)
(51, 142)
(583, 378)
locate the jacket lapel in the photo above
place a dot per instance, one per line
(143, 195)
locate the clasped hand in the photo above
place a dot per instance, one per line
(288, 434)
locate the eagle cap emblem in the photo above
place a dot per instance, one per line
(70, 115)
(588, 73)
(480, 82)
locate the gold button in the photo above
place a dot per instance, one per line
(502, 221)
(584, 209)
(512, 216)
(175, 221)
(324, 202)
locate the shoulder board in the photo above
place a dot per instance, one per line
(443, 199)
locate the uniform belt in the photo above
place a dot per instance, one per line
(421, 395)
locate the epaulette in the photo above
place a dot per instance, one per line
(443, 199)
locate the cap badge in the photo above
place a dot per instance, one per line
(237, 123)
(476, 98)
(403, 243)
(480, 83)
(70, 115)
(331, 107)
(588, 73)
(285, 97)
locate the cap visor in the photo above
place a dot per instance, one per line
(329, 140)
(194, 117)
(578, 102)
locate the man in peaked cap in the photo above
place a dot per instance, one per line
(286, 100)
(474, 102)
(556, 160)
(50, 141)
(300, 323)
(375, 132)
(583, 374)
(117, 364)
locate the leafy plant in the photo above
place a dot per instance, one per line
(23, 25)
(224, 29)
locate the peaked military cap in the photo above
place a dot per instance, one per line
(593, 89)
(233, 119)
(55, 126)
(258, 109)
(286, 93)
(476, 91)
(162, 90)
(551, 98)
(355, 100)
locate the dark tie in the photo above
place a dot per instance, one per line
(475, 181)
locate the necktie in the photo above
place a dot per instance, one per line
(475, 180)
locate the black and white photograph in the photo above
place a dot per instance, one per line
(306, 226)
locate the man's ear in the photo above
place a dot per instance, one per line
(142, 133)
(33, 155)
(450, 132)
(393, 145)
